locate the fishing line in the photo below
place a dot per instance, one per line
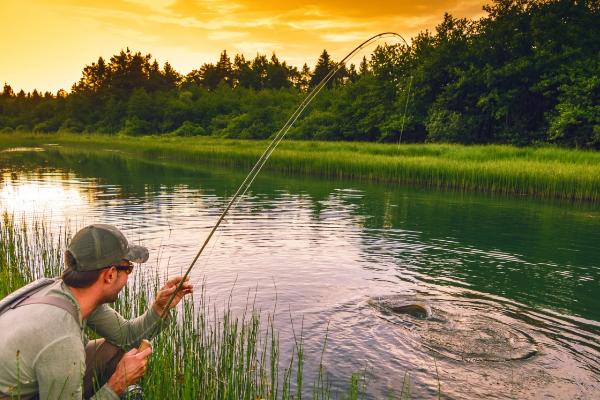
(245, 185)
(405, 109)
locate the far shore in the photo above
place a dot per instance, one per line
(541, 172)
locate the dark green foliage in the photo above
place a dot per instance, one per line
(190, 129)
(324, 65)
(527, 72)
(576, 118)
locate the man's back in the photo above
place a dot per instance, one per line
(40, 335)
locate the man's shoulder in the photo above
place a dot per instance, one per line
(41, 319)
(60, 289)
(44, 319)
(31, 329)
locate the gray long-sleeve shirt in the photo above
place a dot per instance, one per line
(42, 347)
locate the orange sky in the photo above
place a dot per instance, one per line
(44, 44)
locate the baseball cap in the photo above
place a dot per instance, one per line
(99, 245)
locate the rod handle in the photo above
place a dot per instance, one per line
(144, 345)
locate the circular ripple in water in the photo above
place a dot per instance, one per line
(478, 338)
(460, 334)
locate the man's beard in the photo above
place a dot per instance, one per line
(111, 297)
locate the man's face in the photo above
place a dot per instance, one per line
(118, 279)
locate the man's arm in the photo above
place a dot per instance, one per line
(59, 370)
(127, 334)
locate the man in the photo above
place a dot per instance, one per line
(44, 353)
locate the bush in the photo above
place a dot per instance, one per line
(190, 129)
(70, 125)
(137, 126)
(46, 127)
(319, 125)
(444, 125)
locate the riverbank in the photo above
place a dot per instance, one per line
(544, 172)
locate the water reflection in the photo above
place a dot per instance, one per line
(324, 248)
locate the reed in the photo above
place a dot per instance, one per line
(28, 251)
(203, 352)
(543, 172)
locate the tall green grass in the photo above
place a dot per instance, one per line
(203, 352)
(546, 172)
(28, 251)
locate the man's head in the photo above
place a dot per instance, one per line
(100, 255)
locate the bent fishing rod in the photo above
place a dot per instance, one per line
(245, 185)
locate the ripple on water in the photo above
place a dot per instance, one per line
(22, 149)
(461, 334)
(483, 342)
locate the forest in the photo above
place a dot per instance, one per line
(526, 73)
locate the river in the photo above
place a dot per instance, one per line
(513, 283)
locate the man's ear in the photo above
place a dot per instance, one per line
(108, 275)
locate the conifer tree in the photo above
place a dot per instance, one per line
(322, 68)
(305, 75)
(224, 69)
(363, 68)
(7, 91)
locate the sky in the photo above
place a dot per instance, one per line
(44, 44)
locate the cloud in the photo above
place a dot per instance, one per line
(188, 33)
(256, 47)
(343, 37)
(324, 24)
(226, 35)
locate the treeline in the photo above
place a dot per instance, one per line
(528, 72)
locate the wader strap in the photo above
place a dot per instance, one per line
(53, 301)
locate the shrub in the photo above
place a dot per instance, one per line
(190, 129)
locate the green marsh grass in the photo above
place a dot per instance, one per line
(203, 352)
(545, 172)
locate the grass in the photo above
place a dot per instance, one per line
(544, 172)
(202, 353)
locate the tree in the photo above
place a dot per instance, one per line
(142, 115)
(277, 74)
(304, 80)
(242, 72)
(7, 91)
(94, 78)
(172, 77)
(576, 118)
(224, 69)
(259, 71)
(352, 74)
(363, 68)
(324, 65)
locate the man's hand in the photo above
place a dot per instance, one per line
(129, 370)
(164, 294)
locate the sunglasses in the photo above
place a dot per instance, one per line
(124, 265)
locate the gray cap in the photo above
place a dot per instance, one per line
(99, 245)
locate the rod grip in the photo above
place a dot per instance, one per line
(144, 345)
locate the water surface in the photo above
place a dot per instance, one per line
(321, 249)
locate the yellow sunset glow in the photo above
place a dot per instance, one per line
(46, 43)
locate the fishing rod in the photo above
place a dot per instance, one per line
(245, 185)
